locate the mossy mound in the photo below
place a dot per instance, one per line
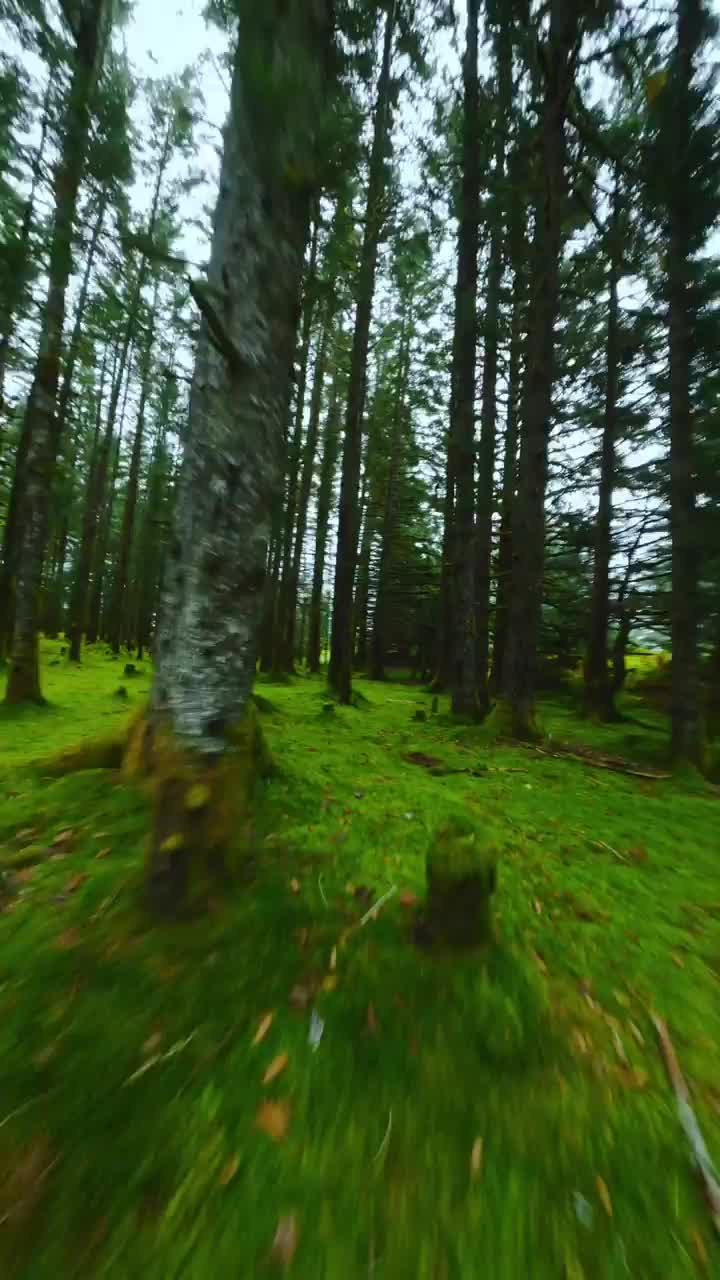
(461, 872)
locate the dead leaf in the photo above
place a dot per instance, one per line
(539, 962)
(75, 881)
(295, 885)
(64, 837)
(302, 936)
(263, 1027)
(701, 1251)
(677, 959)
(637, 1034)
(285, 1243)
(604, 1195)
(372, 1022)
(350, 890)
(27, 833)
(619, 1047)
(407, 898)
(100, 835)
(152, 1044)
(537, 906)
(638, 854)
(273, 1118)
(580, 1041)
(70, 938)
(633, 1077)
(277, 1066)
(333, 958)
(25, 874)
(476, 1159)
(103, 853)
(229, 1171)
(300, 996)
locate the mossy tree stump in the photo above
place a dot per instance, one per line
(200, 803)
(461, 872)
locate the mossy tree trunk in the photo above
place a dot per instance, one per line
(231, 470)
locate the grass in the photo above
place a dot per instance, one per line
(129, 1138)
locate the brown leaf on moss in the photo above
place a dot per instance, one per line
(103, 853)
(700, 1250)
(677, 959)
(229, 1170)
(75, 882)
(476, 1159)
(295, 885)
(373, 1025)
(152, 1044)
(407, 898)
(276, 1068)
(285, 1243)
(70, 938)
(301, 995)
(273, 1118)
(264, 1026)
(63, 838)
(633, 1077)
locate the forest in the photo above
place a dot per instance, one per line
(360, 639)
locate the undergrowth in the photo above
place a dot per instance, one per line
(437, 1117)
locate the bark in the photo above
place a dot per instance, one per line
(521, 659)
(368, 529)
(444, 657)
(303, 500)
(464, 667)
(341, 654)
(599, 699)
(330, 445)
(102, 529)
(231, 470)
(24, 677)
(117, 609)
(686, 731)
(488, 411)
(389, 520)
(75, 338)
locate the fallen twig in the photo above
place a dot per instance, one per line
(688, 1120)
(371, 914)
(616, 766)
(322, 891)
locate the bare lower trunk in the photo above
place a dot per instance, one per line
(327, 475)
(509, 480)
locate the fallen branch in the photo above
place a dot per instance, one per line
(616, 766)
(372, 913)
(688, 1120)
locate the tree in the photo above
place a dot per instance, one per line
(90, 35)
(206, 647)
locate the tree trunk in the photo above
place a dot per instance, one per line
(387, 529)
(464, 667)
(521, 658)
(599, 700)
(324, 500)
(24, 675)
(686, 731)
(341, 654)
(282, 660)
(231, 470)
(117, 609)
(306, 475)
(509, 480)
(488, 411)
(74, 344)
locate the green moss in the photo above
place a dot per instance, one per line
(514, 1044)
(460, 850)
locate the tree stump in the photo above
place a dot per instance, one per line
(130, 669)
(420, 716)
(461, 872)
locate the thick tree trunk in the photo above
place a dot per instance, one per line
(231, 471)
(599, 699)
(24, 676)
(686, 728)
(521, 659)
(488, 411)
(464, 666)
(342, 639)
(330, 445)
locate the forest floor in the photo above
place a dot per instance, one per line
(430, 1117)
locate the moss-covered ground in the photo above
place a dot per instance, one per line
(431, 1117)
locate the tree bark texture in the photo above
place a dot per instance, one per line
(330, 445)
